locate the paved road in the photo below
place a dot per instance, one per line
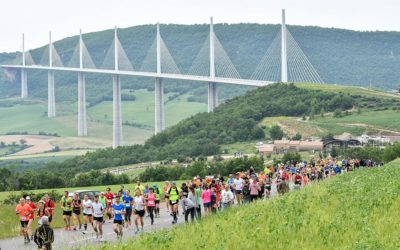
(76, 239)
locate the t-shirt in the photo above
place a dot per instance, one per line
(24, 211)
(103, 200)
(118, 209)
(66, 204)
(87, 207)
(173, 194)
(141, 188)
(76, 205)
(33, 206)
(254, 187)
(98, 209)
(127, 201)
(197, 193)
(138, 203)
(109, 198)
(238, 184)
(206, 196)
(151, 200)
(226, 196)
(298, 179)
(50, 206)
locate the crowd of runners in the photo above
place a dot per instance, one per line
(198, 197)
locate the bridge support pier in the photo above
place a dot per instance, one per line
(117, 116)
(159, 106)
(212, 96)
(82, 118)
(24, 84)
(51, 100)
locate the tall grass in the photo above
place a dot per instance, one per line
(360, 210)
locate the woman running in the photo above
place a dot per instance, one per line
(157, 192)
(165, 189)
(87, 212)
(139, 204)
(76, 210)
(151, 203)
(128, 201)
(119, 211)
(42, 211)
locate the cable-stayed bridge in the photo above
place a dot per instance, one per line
(284, 61)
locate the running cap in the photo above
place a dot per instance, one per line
(154, 185)
(27, 198)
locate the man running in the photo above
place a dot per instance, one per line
(118, 223)
(24, 211)
(157, 192)
(87, 205)
(66, 206)
(98, 217)
(166, 194)
(44, 234)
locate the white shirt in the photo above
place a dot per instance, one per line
(98, 209)
(138, 203)
(87, 207)
(226, 196)
(238, 184)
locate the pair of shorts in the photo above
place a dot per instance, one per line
(157, 201)
(67, 213)
(50, 218)
(139, 212)
(173, 202)
(90, 215)
(24, 223)
(119, 222)
(99, 219)
(238, 191)
(77, 212)
(207, 204)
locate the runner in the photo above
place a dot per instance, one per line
(98, 217)
(24, 211)
(44, 234)
(66, 206)
(140, 187)
(76, 211)
(254, 189)
(49, 206)
(206, 197)
(227, 197)
(197, 193)
(109, 198)
(128, 201)
(166, 194)
(87, 205)
(189, 204)
(118, 211)
(139, 203)
(157, 192)
(238, 187)
(42, 211)
(31, 216)
(151, 203)
(268, 185)
(174, 201)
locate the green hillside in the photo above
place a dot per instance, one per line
(340, 56)
(359, 210)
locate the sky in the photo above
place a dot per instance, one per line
(64, 18)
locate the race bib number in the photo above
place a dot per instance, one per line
(173, 202)
(151, 203)
(23, 218)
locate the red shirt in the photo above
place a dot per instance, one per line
(49, 206)
(33, 206)
(24, 211)
(109, 197)
(298, 178)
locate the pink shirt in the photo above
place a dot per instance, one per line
(151, 198)
(206, 196)
(254, 187)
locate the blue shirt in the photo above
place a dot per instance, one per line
(118, 211)
(127, 200)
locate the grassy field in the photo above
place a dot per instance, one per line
(360, 210)
(31, 116)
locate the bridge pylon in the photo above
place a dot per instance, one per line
(159, 89)
(212, 86)
(82, 116)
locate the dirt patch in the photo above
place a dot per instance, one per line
(38, 143)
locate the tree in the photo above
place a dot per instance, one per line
(297, 137)
(276, 132)
(322, 112)
(337, 113)
(292, 157)
(22, 141)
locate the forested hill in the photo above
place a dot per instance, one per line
(202, 134)
(340, 56)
